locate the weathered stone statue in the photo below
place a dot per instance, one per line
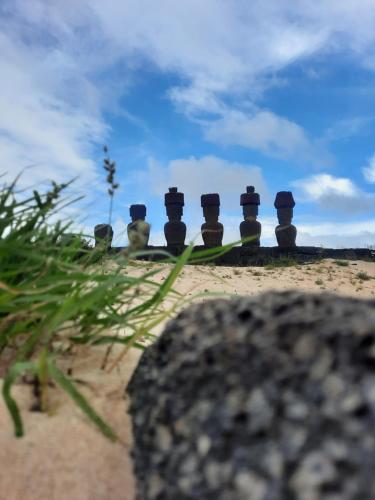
(138, 229)
(285, 232)
(175, 229)
(250, 227)
(103, 233)
(212, 230)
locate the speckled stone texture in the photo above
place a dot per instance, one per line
(262, 398)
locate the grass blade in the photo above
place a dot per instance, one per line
(80, 400)
(15, 370)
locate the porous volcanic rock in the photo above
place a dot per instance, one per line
(261, 398)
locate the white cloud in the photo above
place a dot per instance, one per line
(269, 133)
(208, 174)
(216, 45)
(222, 46)
(233, 48)
(38, 125)
(335, 193)
(369, 170)
(320, 185)
(346, 128)
(359, 234)
(54, 56)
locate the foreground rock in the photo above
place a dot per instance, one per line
(263, 398)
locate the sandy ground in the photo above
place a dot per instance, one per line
(62, 456)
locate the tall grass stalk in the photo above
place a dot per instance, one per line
(110, 168)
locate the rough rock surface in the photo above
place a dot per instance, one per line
(263, 398)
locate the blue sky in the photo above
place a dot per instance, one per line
(209, 96)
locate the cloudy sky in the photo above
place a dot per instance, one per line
(209, 96)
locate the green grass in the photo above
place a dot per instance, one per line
(281, 262)
(363, 276)
(55, 287)
(342, 263)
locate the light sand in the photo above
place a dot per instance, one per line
(62, 456)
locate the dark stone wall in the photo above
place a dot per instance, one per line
(244, 256)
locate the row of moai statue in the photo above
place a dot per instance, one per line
(212, 230)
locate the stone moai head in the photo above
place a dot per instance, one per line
(250, 228)
(284, 203)
(250, 202)
(137, 212)
(285, 232)
(174, 203)
(103, 235)
(174, 229)
(211, 207)
(212, 229)
(138, 229)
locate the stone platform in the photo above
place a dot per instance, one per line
(245, 256)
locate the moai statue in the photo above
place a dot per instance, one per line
(103, 234)
(285, 232)
(250, 227)
(212, 230)
(138, 229)
(175, 229)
